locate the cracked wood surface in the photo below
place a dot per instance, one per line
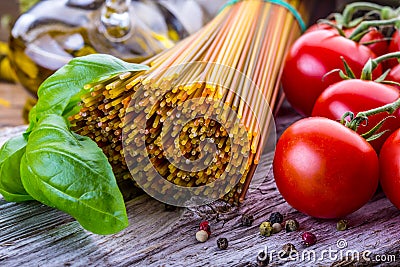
(32, 234)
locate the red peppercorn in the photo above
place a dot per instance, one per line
(206, 227)
(309, 239)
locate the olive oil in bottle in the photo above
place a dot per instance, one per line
(53, 32)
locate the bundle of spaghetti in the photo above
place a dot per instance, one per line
(207, 101)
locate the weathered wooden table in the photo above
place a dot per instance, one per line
(34, 235)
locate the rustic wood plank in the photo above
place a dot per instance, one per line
(35, 235)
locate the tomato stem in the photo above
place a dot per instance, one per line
(352, 8)
(389, 108)
(332, 25)
(365, 25)
(363, 116)
(370, 66)
(386, 57)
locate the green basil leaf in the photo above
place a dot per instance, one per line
(10, 180)
(70, 172)
(61, 92)
(32, 122)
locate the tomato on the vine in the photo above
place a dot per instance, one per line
(389, 162)
(394, 75)
(311, 57)
(393, 64)
(394, 46)
(325, 169)
(356, 96)
(373, 39)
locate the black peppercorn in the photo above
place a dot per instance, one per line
(287, 250)
(276, 217)
(291, 225)
(247, 219)
(222, 243)
(262, 258)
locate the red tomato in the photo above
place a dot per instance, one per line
(321, 26)
(324, 169)
(393, 64)
(389, 162)
(394, 75)
(312, 56)
(394, 46)
(357, 96)
(374, 39)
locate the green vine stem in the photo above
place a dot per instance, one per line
(348, 12)
(365, 25)
(372, 63)
(332, 25)
(363, 28)
(362, 117)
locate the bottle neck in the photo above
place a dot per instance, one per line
(115, 20)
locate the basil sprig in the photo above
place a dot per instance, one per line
(57, 167)
(10, 180)
(67, 171)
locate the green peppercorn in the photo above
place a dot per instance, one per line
(291, 226)
(222, 243)
(247, 219)
(262, 258)
(287, 250)
(276, 217)
(342, 225)
(266, 229)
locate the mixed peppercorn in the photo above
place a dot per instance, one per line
(342, 225)
(222, 243)
(309, 239)
(273, 225)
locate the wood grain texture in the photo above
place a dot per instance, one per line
(35, 235)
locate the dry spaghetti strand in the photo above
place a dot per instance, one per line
(242, 50)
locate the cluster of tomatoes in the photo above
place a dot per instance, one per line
(322, 166)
